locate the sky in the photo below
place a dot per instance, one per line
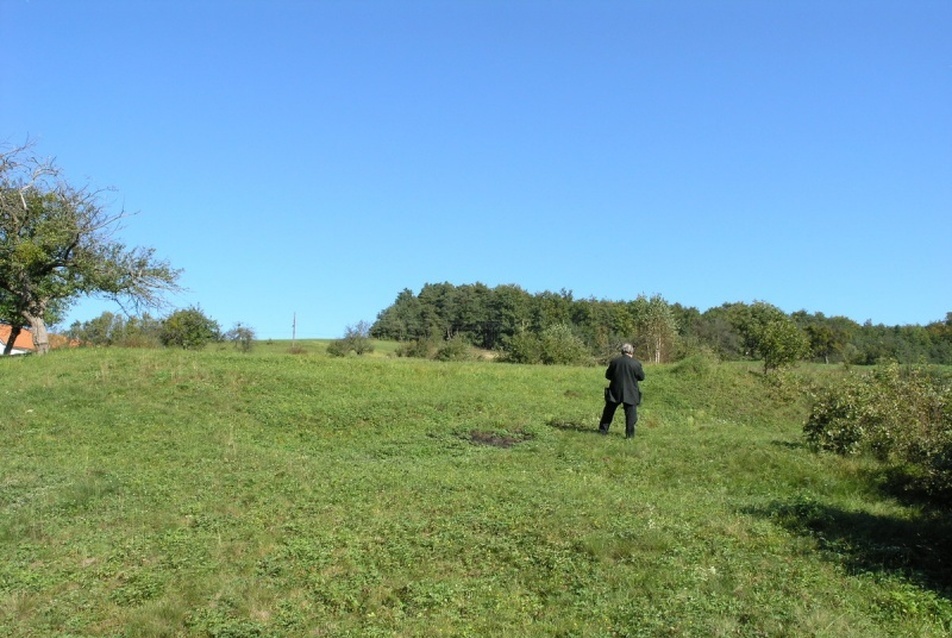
(304, 161)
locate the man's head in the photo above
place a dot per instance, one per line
(628, 349)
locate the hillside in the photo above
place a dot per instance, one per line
(171, 493)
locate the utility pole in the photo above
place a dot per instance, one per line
(293, 330)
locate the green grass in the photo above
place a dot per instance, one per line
(157, 493)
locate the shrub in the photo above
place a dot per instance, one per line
(418, 348)
(900, 415)
(356, 339)
(338, 348)
(782, 343)
(189, 329)
(561, 346)
(454, 349)
(700, 364)
(116, 330)
(242, 337)
(522, 347)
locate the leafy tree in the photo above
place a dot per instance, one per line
(510, 311)
(751, 321)
(472, 319)
(57, 244)
(110, 329)
(656, 327)
(822, 340)
(781, 342)
(550, 309)
(718, 331)
(439, 307)
(95, 332)
(189, 329)
(139, 331)
(402, 321)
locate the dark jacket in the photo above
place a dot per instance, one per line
(624, 372)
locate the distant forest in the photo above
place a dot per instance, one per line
(519, 325)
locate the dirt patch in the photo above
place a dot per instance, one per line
(497, 439)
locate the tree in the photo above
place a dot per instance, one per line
(189, 329)
(656, 327)
(781, 342)
(510, 309)
(57, 244)
(401, 321)
(110, 329)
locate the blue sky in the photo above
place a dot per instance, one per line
(311, 159)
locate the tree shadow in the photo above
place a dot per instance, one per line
(918, 548)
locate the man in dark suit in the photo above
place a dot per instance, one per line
(624, 372)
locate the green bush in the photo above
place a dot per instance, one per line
(901, 415)
(189, 329)
(455, 349)
(699, 364)
(110, 329)
(338, 348)
(522, 347)
(561, 346)
(418, 348)
(781, 343)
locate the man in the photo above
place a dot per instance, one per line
(624, 372)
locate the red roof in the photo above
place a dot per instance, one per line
(24, 339)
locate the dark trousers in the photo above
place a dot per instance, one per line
(631, 417)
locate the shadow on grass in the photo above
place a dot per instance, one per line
(790, 445)
(573, 426)
(918, 548)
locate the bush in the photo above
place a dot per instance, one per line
(561, 346)
(903, 416)
(522, 347)
(418, 348)
(356, 339)
(700, 364)
(242, 337)
(781, 343)
(189, 329)
(455, 349)
(116, 330)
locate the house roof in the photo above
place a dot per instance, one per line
(24, 339)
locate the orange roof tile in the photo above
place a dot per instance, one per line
(24, 339)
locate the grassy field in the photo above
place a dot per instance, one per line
(149, 493)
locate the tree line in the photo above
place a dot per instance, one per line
(188, 328)
(519, 325)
